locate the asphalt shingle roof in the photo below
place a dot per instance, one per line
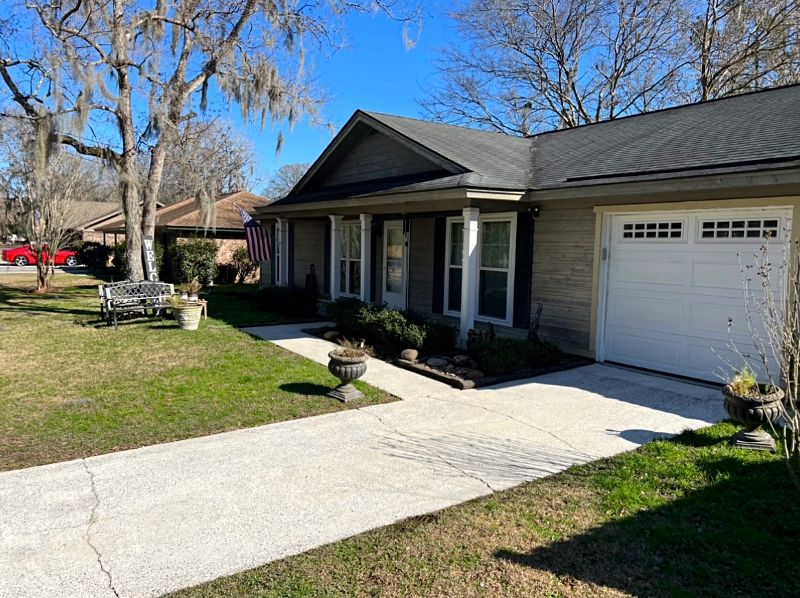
(747, 132)
(746, 129)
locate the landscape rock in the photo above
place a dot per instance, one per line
(461, 360)
(473, 375)
(437, 362)
(332, 335)
(409, 355)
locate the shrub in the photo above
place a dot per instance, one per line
(388, 329)
(344, 312)
(119, 262)
(194, 259)
(226, 274)
(497, 356)
(93, 255)
(439, 338)
(289, 301)
(242, 265)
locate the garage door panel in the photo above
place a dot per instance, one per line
(668, 302)
(640, 271)
(646, 351)
(717, 275)
(646, 312)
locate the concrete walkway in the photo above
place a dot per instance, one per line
(159, 518)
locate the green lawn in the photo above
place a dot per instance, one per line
(687, 517)
(72, 387)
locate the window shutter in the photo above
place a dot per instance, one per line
(439, 241)
(290, 277)
(326, 279)
(523, 268)
(273, 265)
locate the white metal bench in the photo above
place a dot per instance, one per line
(134, 297)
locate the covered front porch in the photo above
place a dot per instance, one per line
(469, 261)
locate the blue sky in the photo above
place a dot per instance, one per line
(375, 73)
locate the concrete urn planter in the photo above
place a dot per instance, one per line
(188, 316)
(347, 365)
(754, 411)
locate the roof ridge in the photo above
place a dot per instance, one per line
(442, 124)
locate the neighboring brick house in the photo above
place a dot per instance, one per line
(188, 220)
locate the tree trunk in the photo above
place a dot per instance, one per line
(134, 269)
(157, 157)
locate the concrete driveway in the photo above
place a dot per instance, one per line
(151, 520)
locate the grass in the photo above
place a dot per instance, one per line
(687, 517)
(73, 387)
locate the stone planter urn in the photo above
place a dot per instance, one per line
(754, 411)
(347, 365)
(188, 315)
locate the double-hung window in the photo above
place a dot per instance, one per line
(350, 259)
(496, 250)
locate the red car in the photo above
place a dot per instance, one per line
(24, 255)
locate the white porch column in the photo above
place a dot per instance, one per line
(469, 273)
(366, 255)
(283, 265)
(336, 234)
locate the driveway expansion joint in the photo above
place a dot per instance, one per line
(90, 525)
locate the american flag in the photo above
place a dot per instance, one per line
(259, 244)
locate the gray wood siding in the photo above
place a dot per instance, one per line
(420, 265)
(377, 157)
(309, 248)
(563, 259)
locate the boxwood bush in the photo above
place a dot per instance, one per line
(194, 259)
(391, 330)
(497, 356)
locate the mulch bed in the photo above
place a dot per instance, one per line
(453, 379)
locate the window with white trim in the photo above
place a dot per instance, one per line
(652, 230)
(740, 228)
(496, 247)
(350, 259)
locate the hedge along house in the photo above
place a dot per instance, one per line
(627, 232)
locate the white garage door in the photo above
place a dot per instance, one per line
(673, 282)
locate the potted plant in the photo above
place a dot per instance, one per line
(186, 313)
(348, 362)
(752, 405)
(190, 289)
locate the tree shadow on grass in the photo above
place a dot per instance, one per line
(26, 300)
(738, 537)
(306, 388)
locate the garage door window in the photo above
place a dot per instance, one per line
(652, 230)
(740, 229)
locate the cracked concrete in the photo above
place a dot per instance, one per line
(90, 524)
(159, 518)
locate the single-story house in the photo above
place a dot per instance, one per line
(110, 212)
(626, 232)
(187, 219)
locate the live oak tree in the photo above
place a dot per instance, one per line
(518, 66)
(117, 79)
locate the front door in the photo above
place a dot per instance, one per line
(394, 266)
